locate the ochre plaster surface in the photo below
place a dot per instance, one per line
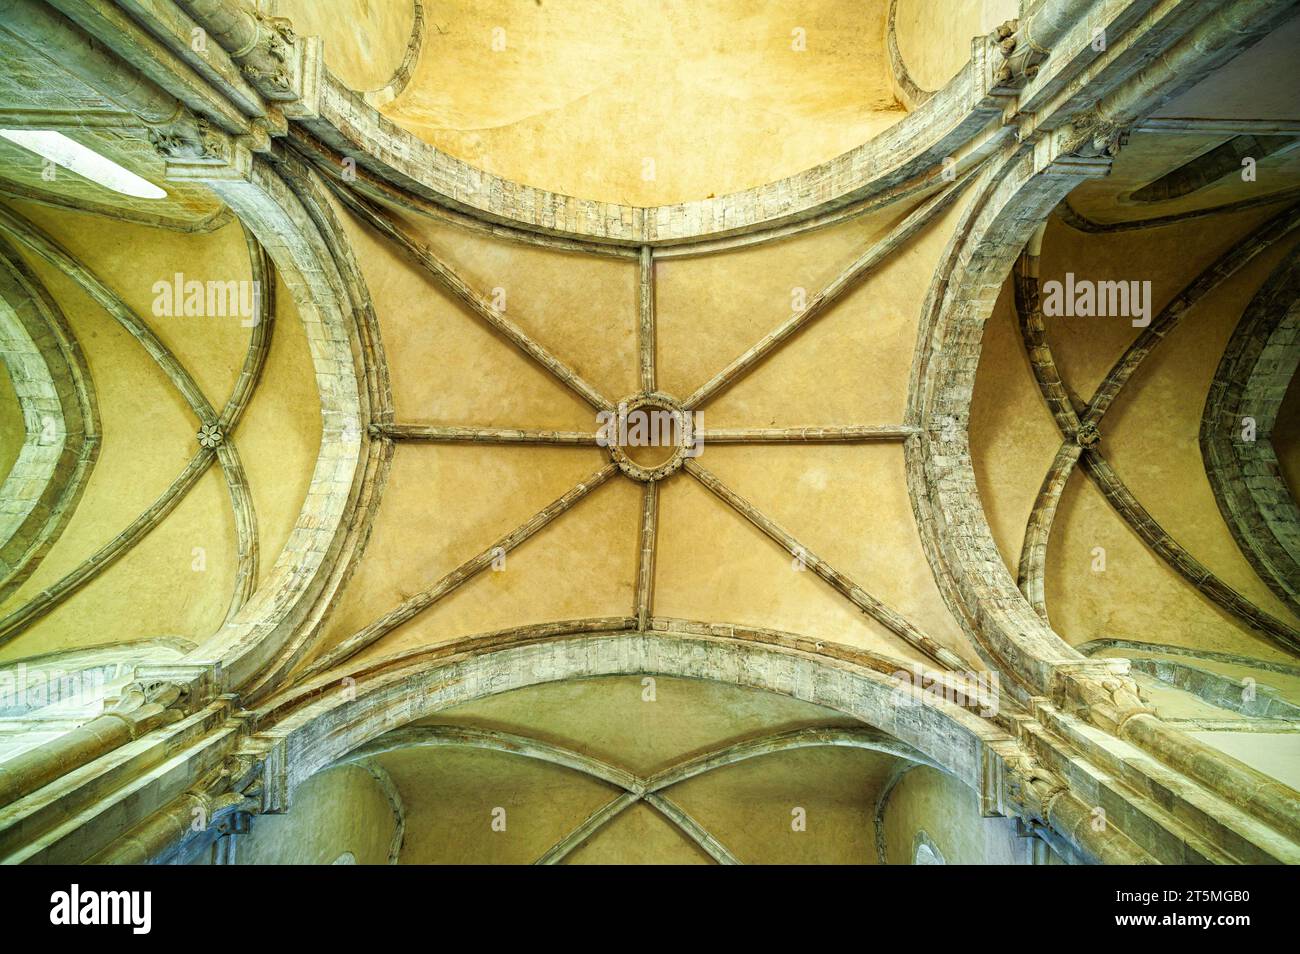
(445, 503)
(934, 36)
(343, 809)
(948, 812)
(582, 93)
(365, 40)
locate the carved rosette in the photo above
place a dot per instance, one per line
(210, 436)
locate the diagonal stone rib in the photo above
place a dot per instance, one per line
(53, 253)
(1081, 223)
(1178, 559)
(50, 597)
(815, 737)
(1084, 431)
(645, 568)
(867, 262)
(383, 223)
(864, 601)
(1034, 332)
(468, 736)
(692, 829)
(1218, 272)
(457, 434)
(417, 604)
(497, 741)
(634, 787)
(646, 320)
(1032, 572)
(592, 824)
(225, 454)
(843, 434)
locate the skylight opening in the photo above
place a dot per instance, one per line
(84, 161)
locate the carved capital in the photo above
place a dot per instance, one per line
(1031, 788)
(1095, 135)
(265, 60)
(1021, 56)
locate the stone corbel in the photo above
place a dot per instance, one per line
(144, 706)
(1106, 701)
(200, 682)
(223, 157)
(180, 135)
(1095, 135)
(258, 43)
(1025, 43)
(1031, 789)
(264, 61)
(267, 755)
(1068, 150)
(1004, 74)
(1016, 784)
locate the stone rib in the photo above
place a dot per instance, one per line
(645, 569)
(1081, 223)
(1178, 559)
(330, 165)
(845, 281)
(1033, 554)
(1037, 533)
(592, 824)
(417, 604)
(1034, 332)
(814, 737)
(646, 320)
(1251, 380)
(248, 549)
(864, 601)
(843, 434)
(53, 387)
(105, 556)
(692, 829)
(1222, 269)
(460, 434)
(494, 740)
(226, 455)
(53, 253)
(383, 223)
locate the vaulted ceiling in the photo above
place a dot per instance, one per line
(497, 510)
